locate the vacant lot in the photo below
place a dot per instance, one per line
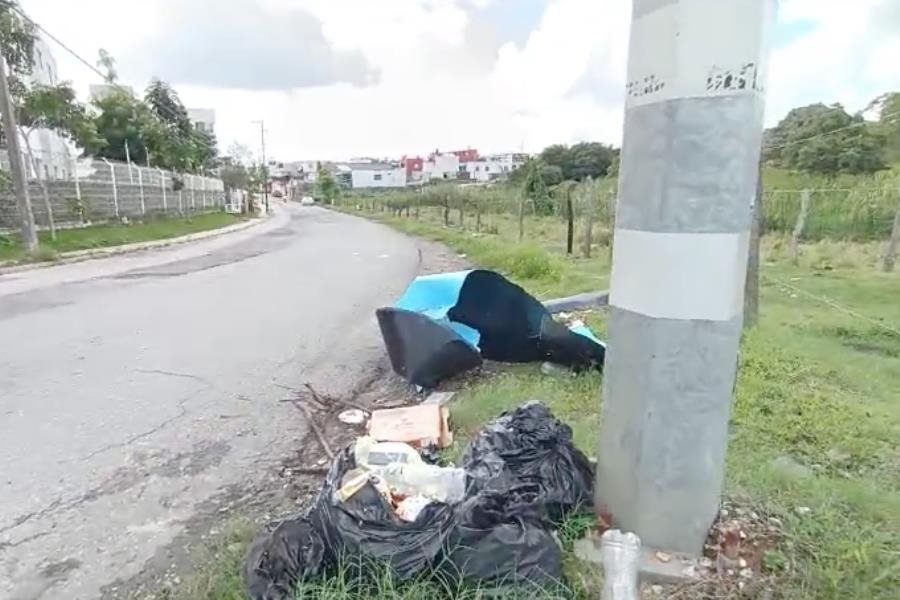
(816, 417)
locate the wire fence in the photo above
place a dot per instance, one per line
(71, 191)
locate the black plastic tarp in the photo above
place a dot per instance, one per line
(480, 311)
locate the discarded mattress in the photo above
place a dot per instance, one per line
(445, 324)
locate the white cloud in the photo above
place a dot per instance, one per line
(450, 77)
(846, 57)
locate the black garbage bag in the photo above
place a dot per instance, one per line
(516, 327)
(276, 561)
(424, 351)
(528, 444)
(365, 527)
(502, 536)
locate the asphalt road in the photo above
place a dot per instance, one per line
(135, 388)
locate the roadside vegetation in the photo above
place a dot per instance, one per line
(815, 419)
(102, 236)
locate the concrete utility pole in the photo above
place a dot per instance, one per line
(693, 129)
(262, 141)
(20, 182)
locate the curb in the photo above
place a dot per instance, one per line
(90, 253)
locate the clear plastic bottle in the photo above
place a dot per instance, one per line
(621, 553)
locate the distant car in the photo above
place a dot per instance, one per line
(307, 201)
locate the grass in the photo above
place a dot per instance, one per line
(102, 236)
(819, 385)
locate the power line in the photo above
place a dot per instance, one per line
(825, 133)
(834, 305)
(171, 113)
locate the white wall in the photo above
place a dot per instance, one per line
(52, 153)
(484, 170)
(441, 166)
(378, 178)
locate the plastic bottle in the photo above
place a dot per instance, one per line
(620, 553)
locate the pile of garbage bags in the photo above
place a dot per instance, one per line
(491, 519)
(445, 324)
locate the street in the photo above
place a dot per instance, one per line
(134, 388)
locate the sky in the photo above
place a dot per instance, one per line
(335, 79)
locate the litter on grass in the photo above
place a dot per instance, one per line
(491, 520)
(445, 324)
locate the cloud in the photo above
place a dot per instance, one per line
(242, 44)
(848, 55)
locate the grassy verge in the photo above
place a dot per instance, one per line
(101, 236)
(818, 390)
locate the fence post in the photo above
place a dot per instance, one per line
(81, 208)
(890, 253)
(141, 186)
(798, 227)
(193, 205)
(115, 191)
(162, 185)
(181, 201)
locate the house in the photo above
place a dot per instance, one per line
(466, 156)
(204, 119)
(372, 175)
(509, 161)
(441, 166)
(484, 170)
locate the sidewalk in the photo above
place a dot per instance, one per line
(103, 262)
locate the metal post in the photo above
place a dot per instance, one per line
(115, 191)
(141, 186)
(693, 128)
(20, 182)
(162, 185)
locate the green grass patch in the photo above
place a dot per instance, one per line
(819, 385)
(102, 236)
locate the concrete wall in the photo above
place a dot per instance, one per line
(378, 178)
(100, 202)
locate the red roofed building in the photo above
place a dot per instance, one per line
(465, 156)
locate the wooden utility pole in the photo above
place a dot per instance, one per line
(690, 156)
(17, 168)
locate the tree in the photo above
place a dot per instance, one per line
(106, 62)
(888, 125)
(326, 185)
(187, 148)
(57, 109)
(585, 159)
(589, 159)
(825, 140)
(121, 119)
(17, 39)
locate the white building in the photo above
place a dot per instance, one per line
(484, 169)
(509, 161)
(441, 166)
(53, 155)
(371, 175)
(204, 119)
